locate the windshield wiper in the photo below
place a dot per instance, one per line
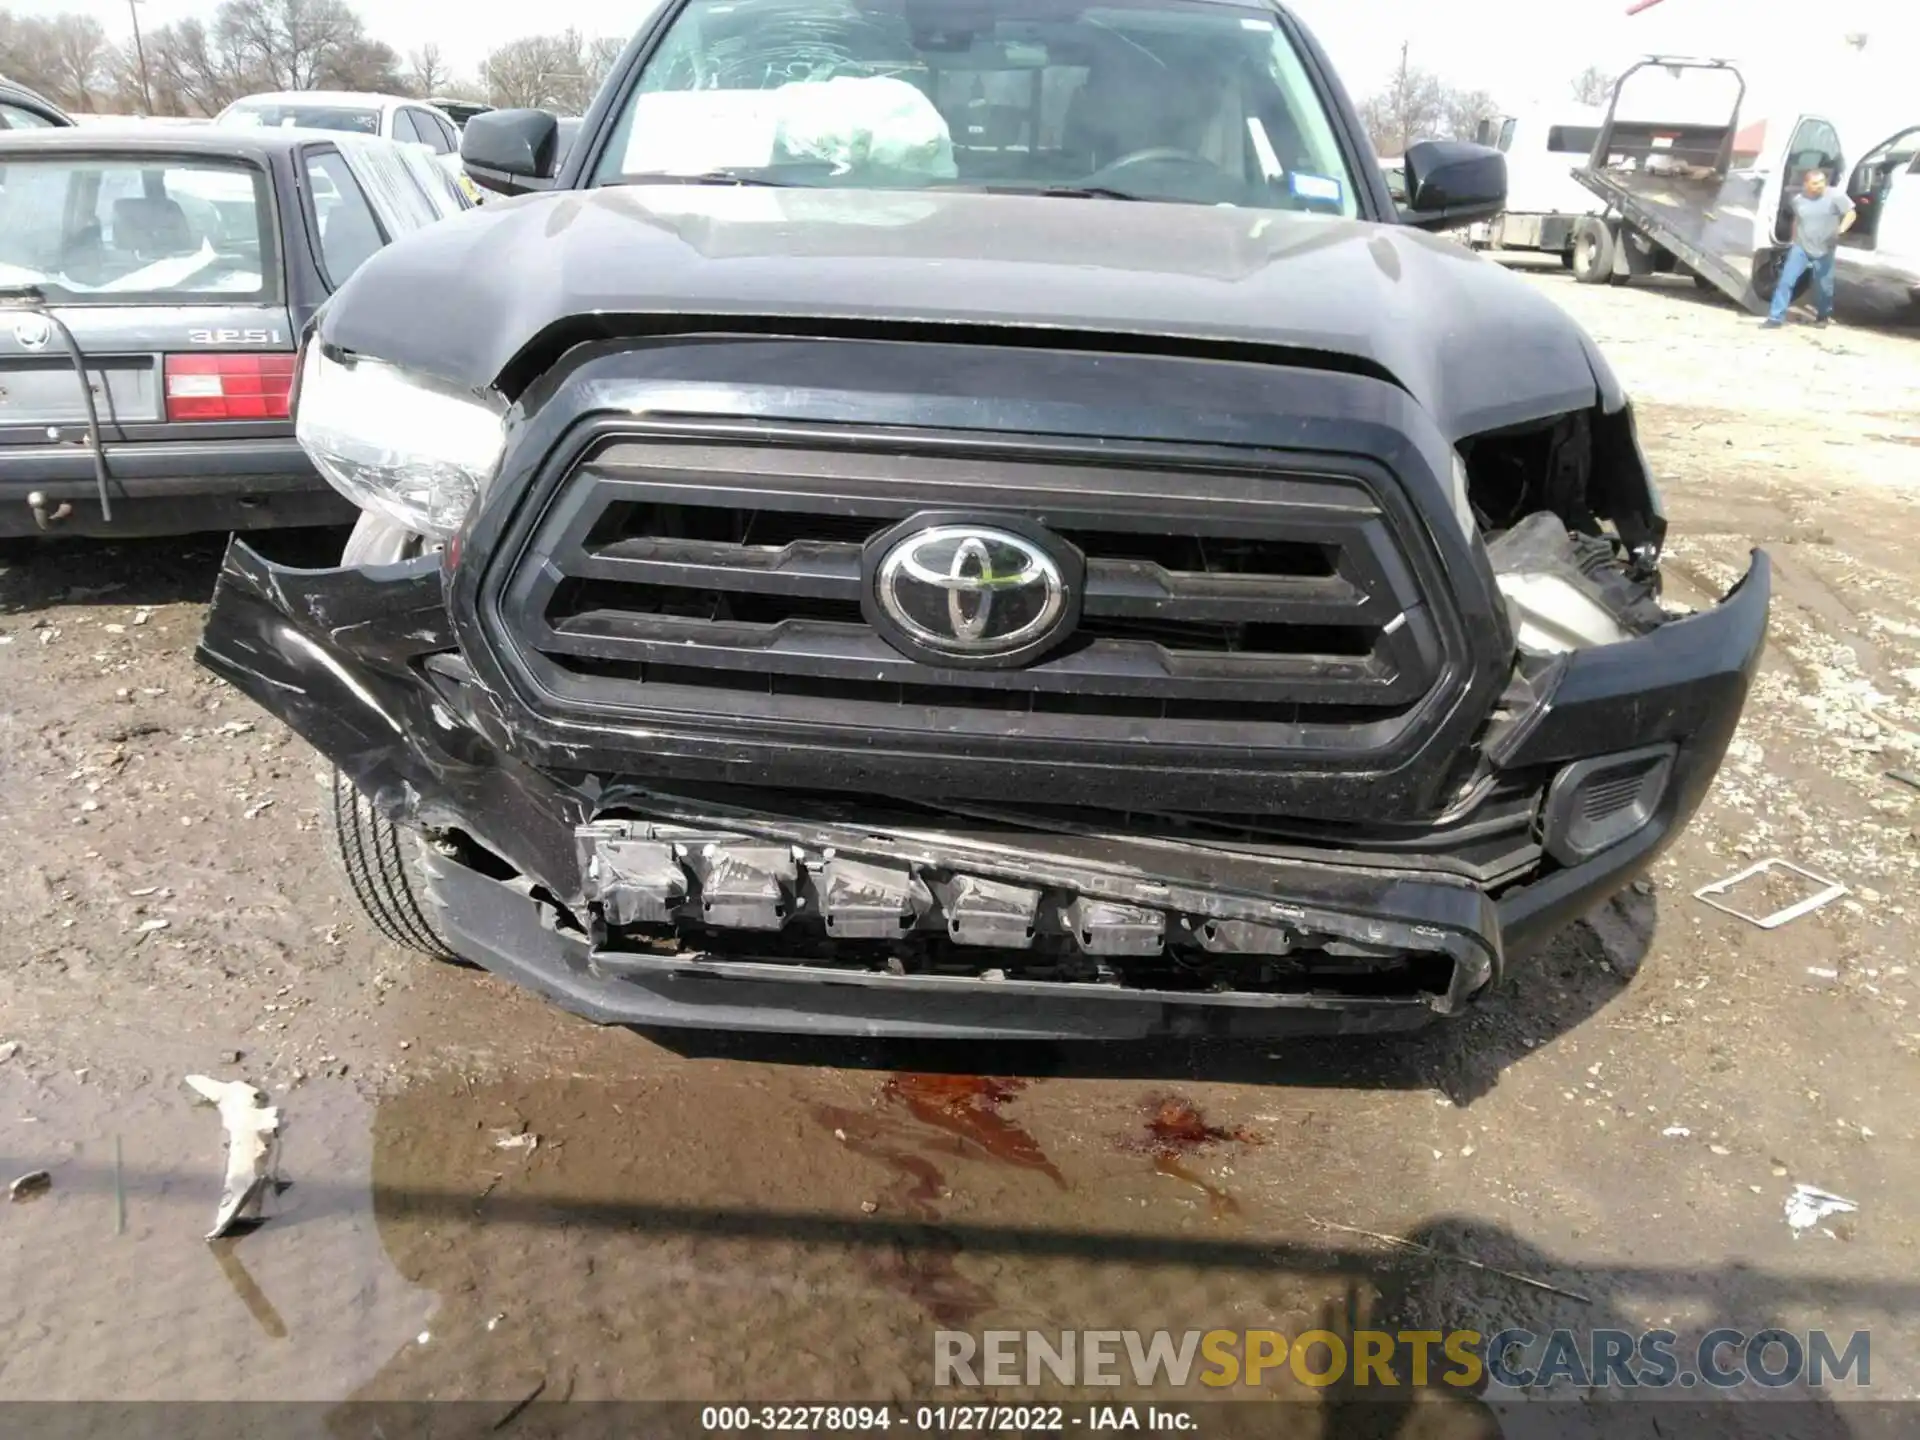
(1078, 192)
(705, 177)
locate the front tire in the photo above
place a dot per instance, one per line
(382, 860)
(1593, 245)
(383, 866)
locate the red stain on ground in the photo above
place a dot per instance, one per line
(968, 1108)
(950, 1115)
(1176, 1124)
(1176, 1128)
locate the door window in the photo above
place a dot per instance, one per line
(1815, 146)
(418, 125)
(343, 221)
(12, 117)
(1871, 179)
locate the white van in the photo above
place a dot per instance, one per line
(1544, 201)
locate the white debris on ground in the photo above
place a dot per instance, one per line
(253, 1148)
(1808, 1206)
(516, 1140)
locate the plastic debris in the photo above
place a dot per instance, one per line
(30, 1186)
(8, 1050)
(510, 1140)
(1676, 1132)
(1808, 1206)
(1831, 890)
(253, 1148)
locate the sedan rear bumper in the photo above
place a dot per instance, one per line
(167, 487)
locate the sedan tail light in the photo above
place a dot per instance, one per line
(229, 387)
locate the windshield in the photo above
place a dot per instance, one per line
(1146, 99)
(135, 229)
(304, 117)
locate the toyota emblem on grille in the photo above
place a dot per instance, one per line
(983, 593)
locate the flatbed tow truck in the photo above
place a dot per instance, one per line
(1675, 203)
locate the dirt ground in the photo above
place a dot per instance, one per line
(491, 1199)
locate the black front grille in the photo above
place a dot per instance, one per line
(1223, 604)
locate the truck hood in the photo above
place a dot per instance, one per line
(1473, 344)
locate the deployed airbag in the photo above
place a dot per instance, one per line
(850, 122)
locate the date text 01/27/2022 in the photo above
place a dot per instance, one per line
(943, 1419)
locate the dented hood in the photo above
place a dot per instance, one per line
(1475, 345)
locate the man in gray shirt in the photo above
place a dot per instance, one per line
(1820, 217)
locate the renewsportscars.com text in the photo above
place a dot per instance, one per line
(1722, 1359)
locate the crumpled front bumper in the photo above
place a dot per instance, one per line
(363, 664)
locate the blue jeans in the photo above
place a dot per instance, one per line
(1798, 263)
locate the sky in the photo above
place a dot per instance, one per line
(1523, 51)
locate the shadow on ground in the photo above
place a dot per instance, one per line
(36, 575)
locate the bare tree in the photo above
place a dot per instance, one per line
(82, 58)
(602, 54)
(548, 72)
(461, 88)
(1412, 107)
(192, 73)
(288, 44)
(1466, 109)
(430, 75)
(363, 64)
(27, 52)
(1593, 86)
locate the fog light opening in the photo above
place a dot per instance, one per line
(1595, 804)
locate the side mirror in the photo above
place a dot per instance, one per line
(1452, 183)
(512, 151)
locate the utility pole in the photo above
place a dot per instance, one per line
(140, 49)
(1400, 97)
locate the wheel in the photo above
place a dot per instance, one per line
(1593, 245)
(1766, 275)
(382, 860)
(383, 867)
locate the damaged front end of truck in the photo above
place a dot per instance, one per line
(1341, 713)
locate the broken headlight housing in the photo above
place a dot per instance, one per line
(408, 448)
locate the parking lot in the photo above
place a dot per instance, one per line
(491, 1200)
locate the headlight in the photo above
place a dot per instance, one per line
(405, 447)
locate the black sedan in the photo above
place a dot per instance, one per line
(175, 268)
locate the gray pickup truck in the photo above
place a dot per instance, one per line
(980, 518)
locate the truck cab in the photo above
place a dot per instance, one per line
(1543, 145)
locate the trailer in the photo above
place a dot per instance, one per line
(1673, 201)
